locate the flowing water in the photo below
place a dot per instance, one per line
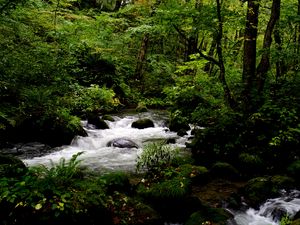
(271, 211)
(97, 155)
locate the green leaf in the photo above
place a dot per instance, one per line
(38, 206)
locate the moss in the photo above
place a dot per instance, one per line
(282, 182)
(296, 222)
(142, 123)
(108, 117)
(175, 188)
(257, 190)
(97, 122)
(197, 174)
(11, 166)
(224, 170)
(294, 169)
(250, 164)
(209, 215)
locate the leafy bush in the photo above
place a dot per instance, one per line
(91, 99)
(54, 195)
(155, 157)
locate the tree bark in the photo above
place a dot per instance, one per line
(264, 64)
(280, 63)
(249, 55)
(141, 58)
(227, 92)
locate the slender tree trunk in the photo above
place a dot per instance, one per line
(141, 58)
(209, 66)
(264, 64)
(249, 55)
(298, 29)
(280, 64)
(227, 92)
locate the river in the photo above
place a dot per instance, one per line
(96, 155)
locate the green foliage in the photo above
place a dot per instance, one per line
(55, 195)
(285, 220)
(155, 157)
(175, 188)
(92, 99)
(63, 173)
(116, 181)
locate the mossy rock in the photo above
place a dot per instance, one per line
(181, 132)
(97, 121)
(141, 107)
(197, 174)
(297, 216)
(294, 169)
(250, 164)
(108, 117)
(170, 189)
(216, 216)
(11, 166)
(176, 125)
(146, 215)
(295, 222)
(282, 182)
(224, 170)
(258, 190)
(142, 123)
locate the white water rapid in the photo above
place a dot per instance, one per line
(97, 155)
(271, 211)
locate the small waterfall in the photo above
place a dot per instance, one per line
(271, 211)
(97, 155)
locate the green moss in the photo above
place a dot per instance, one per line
(108, 117)
(198, 174)
(142, 123)
(224, 170)
(295, 222)
(209, 215)
(176, 188)
(294, 169)
(250, 164)
(11, 166)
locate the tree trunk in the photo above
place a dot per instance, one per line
(264, 64)
(280, 64)
(249, 56)
(209, 66)
(227, 92)
(141, 58)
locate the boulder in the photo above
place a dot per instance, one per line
(296, 222)
(294, 169)
(176, 125)
(224, 170)
(11, 166)
(142, 123)
(97, 121)
(108, 117)
(122, 143)
(207, 215)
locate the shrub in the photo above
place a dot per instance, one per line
(54, 195)
(155, 157)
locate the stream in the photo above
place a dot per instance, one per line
(270, 213)
(97, 156)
